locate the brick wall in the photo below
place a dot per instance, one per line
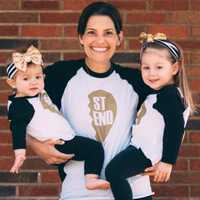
(51, 25)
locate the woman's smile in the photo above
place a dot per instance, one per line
(99, 49)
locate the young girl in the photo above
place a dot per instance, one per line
(31, 111)
(159, 127)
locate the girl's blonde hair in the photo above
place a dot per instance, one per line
(180, 79)
(182, 82)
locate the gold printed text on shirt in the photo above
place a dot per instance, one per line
(103, 109)
(47, 103)
(140, 113)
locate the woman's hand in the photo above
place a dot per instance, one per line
(161, 171)
(47, 152)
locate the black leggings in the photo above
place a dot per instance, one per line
(127, 163)
(84, 149)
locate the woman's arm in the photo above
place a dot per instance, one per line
(47, 152)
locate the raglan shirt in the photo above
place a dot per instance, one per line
(100, 106)
(97, 104)
(159, 126)
(29, 115)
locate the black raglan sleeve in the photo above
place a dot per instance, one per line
(20, 114)
(57, 76)
(134, 77)
(140, 87)
(170, 105)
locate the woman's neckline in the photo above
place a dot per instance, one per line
(98, 74)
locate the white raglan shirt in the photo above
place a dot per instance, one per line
(101, 105)
(47, 124)
(148, 131)
(38, 117)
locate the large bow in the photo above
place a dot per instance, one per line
(31, 55)
(144, 37)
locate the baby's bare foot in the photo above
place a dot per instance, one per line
(93, 183)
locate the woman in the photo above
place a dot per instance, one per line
(99, 99)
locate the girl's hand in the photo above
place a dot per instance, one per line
(162, 171)
(20, 156)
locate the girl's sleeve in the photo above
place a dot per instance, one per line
(20, 114)
(170, 105)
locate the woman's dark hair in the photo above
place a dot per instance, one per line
(99, 8)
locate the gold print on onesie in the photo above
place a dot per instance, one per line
(103, 110)
(47, 103)
(140, 113)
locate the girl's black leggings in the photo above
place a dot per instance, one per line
(84, 149)
(127, 163)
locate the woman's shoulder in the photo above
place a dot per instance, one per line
(63, 66)
(57, 77)
(134, 77)
(125, 69)
(127, 72)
